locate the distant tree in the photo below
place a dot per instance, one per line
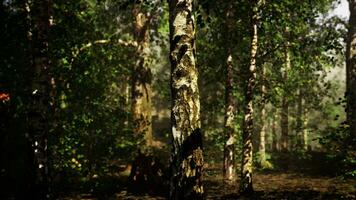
(285, 101)
(142, 78)
(230, 138)
(262, 145)
(187, 153)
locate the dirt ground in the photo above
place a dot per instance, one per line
(267, 185)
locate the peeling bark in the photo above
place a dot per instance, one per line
(187, 154)
(229, 170)
(246, 165)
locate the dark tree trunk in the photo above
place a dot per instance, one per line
(246, 164)
(187, 153)
(40, 108)
(351, 69)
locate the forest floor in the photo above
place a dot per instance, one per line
(267, 185)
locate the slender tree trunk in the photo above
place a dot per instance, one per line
(351, 69)
(274, 132)
(187, 153)
(299, 128)
(305, 130)
(229, 170)
(229, 148)
(246, 164)
(285, 104)
(39, 114)
(141, 81)
(126, 88)
(262, 146)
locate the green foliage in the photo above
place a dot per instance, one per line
(263, 165)
(92, 65)
(340, 146)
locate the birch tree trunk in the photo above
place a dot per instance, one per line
(187, 154)
(229, 170)
(246, 165)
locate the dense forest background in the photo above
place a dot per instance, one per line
(142, 99)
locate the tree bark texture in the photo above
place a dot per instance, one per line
(229, 170)
(246, 165)
(187, 154)
(141, 81)
(351, 69)
(39, 114)
(229, 147)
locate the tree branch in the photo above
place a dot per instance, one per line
(102, 42)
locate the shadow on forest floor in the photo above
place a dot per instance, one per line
(267, 185)
(283, 185)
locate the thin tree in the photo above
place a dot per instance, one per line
(262, 146)
(285, 102)
(229, 170)
(351, 69)
(187, 153)
(246, 165)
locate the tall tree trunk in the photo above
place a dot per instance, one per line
(229, 148)
(187, 154)
(141, 81)
(246, 164)
(285, 103)
(146, 169)
(275, 146)
(262, 146)
(351, 69)
(299, 128)
(39, 114)
(229, 170)
(305, 130)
